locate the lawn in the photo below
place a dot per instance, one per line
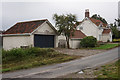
(17, 59)
(109, 71)
(106, 46)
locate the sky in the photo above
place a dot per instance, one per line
(119, 9)
(13, 11)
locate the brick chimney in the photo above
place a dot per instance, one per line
(87, 13)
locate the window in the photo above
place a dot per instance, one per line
(81, 28)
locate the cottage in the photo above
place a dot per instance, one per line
(39, 33)
(89, 27)
(96, 28)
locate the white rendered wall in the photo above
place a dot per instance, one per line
(75, 43)
(106, 37)
(10, 42)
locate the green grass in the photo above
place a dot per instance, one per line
(17, 59)
(109, 71)
(106, 46)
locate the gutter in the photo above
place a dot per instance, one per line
(76, 38)
(25, 34)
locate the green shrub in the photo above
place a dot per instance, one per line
(116, 40)
(14, 54)
(19, 53)
(35, 51)
(88, 41)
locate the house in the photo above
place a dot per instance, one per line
(89, 27)
(39, 33)
(96, 28)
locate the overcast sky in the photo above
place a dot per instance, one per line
(13, 12)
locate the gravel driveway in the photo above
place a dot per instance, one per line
(79, 52)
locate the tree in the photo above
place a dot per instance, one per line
(95, 16)
(115, 31)
(118, 21)
(65, 25)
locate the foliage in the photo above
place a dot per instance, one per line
(16, 59)
(118, 21)
(19, 54)
(116, 40)
(88, 41)
(115, 31)
(65, 25)
(95, 16)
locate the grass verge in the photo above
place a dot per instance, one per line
(109, 71)
(107, 46)
(17, 59)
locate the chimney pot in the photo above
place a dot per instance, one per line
(87, 13)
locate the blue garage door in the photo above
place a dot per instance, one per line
(44, 41)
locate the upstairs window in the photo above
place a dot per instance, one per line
(81, 28)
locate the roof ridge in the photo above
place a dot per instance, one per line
(33, 21)
(97, 19)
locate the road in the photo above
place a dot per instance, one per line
(55, 70)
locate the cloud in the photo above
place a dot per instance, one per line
(14, 12)
(60, 0)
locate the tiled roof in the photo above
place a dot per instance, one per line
(98, 22)
(78, 34)
(24, 27)
(106, 31)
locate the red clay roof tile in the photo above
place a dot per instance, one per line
(98, 22)
(106, 31)
(24, 27)
(78, 34)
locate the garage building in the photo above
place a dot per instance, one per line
(39, 33)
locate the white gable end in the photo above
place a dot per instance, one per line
(45, 29)
(90, 29)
